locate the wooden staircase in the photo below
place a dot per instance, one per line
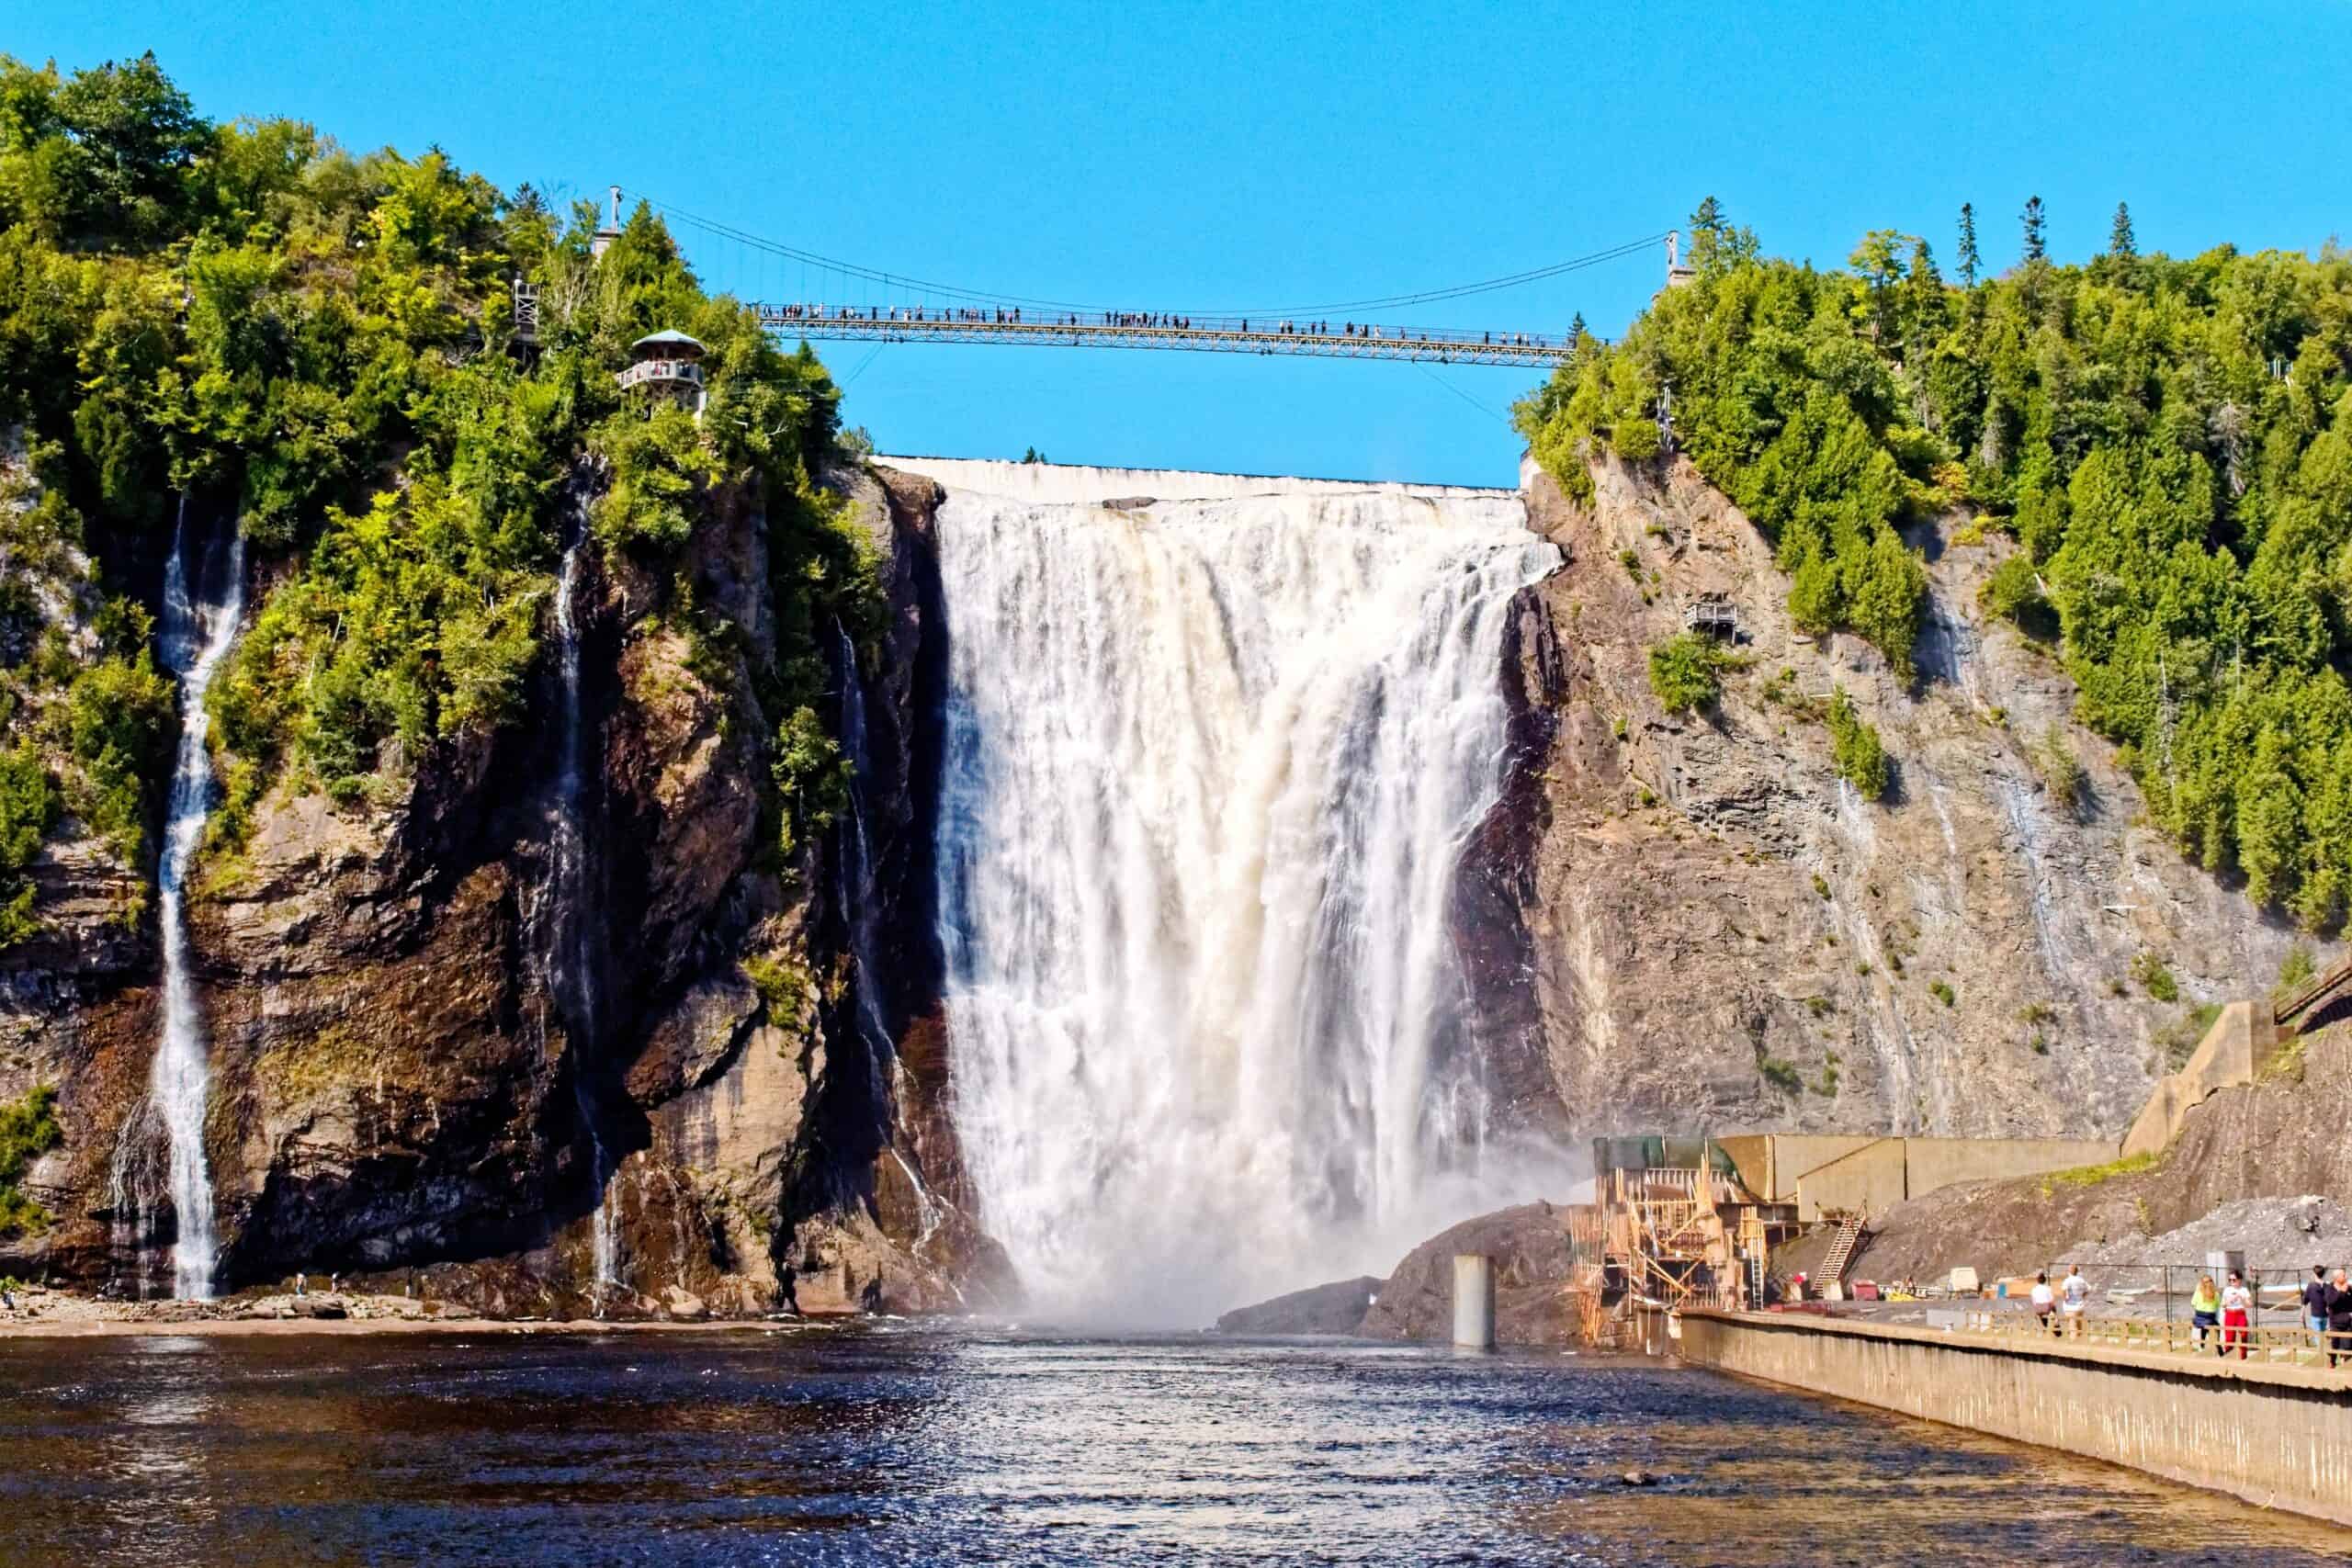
(1841, 1250)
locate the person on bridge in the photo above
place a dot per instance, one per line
(2316, 1305)
(2045, 1303)
(2339, 1318)
(2237, 1314)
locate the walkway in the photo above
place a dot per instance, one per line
(1065, 329)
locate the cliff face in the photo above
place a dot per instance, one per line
(1668, 922)
(1705, 908)
(395, 1082)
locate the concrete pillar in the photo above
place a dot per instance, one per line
(1474, 1300)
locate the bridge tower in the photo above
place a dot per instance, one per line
(1678, 271)
(602, 241)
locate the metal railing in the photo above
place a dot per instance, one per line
(1117, 328)
(645, 370)
(2269, 1344)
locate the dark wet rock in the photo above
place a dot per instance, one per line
(1336, 1308)
(1530, 1247)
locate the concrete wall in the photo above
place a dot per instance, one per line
(1870, 1179)
(1769, 1163)
(2238, 1046)
(2277, 1437)
(1931, 1163)
(1882, 1173)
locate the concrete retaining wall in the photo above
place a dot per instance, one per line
(2277, 1437)
(1878, 1175)
(2233, 1052)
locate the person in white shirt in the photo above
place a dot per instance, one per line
(2074, 1298)
(2237, 1312)
(2045, 1299)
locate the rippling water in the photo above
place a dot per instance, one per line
(921, 1445)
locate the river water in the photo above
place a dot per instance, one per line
(906, 1444)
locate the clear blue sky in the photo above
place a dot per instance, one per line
(1163, 156)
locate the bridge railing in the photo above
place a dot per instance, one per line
(917, 320)
(2271, 1344)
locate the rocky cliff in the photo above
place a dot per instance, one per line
(1721, 934)
(1670, 921)
(401, 1083)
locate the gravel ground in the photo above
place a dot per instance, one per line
(2273, 1233)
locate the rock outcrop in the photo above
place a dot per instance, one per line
(400, 1090)
(1668, 922)
(1722, 935)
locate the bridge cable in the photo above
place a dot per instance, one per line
(1463, 395)
(889, 280)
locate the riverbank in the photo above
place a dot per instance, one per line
(2277, 1437)
(55, 1315)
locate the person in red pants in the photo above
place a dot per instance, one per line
(2238, 1314)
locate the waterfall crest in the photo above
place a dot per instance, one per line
(203, 602)
(1211, 760)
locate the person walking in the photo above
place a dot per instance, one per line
(2205, 1310)
(2316, 1305)
(2073, 1300)
(2045, 1303)
(2237, 1314)
(2339, 1318)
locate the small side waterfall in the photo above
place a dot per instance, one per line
(203, 601)
(573, 968)
(1210, 766)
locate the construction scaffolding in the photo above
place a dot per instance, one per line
(1672, 1225)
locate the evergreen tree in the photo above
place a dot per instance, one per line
(1968, 244)
(2036, 247)
(1715, 245)
(2119, 242)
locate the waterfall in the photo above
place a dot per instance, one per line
(201, 608)
(1211, 760)
(574, 968)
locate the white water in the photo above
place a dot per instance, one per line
(1211, 763)
(575, 958)
(197, 632)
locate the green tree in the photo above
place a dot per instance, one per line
(2035, 223)
(28, 1129)
(1855, 748)
(1686, 671)
(1967, 251)
(2119, 243)
(29, 805)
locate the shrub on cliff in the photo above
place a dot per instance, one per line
(27, 805)
(1855, 749)
(1686, 671)
(28, 1129)
(2169, 440)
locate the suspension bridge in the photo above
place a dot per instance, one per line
(858, 303)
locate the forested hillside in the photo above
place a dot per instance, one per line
(246, 316)
(2169, 442)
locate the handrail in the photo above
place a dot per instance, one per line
(1151, 329)
(2267, 1344)
(2312, 994)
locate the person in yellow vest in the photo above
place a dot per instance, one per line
(2205, 1310)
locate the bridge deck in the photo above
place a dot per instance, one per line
(1067, 330)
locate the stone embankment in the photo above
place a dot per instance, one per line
(2279, 1437)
